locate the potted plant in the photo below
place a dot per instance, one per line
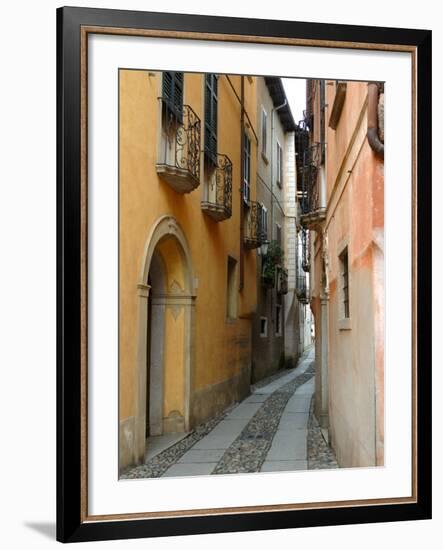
(272, 262)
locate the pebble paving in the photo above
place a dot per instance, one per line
(320, 454)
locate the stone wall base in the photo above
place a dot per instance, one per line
(214, 399)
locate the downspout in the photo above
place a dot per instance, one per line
(242, 175)
(373, 135)
(274, 109)
(272, 161)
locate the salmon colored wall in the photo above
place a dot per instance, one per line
(222, 348)
(355, 217)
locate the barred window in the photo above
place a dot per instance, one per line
(344, 273)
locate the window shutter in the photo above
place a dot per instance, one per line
(173, 92)
(211, 102)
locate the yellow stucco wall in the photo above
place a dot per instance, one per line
(221, 346)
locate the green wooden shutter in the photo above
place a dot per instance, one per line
(211, 102)
(173, 92)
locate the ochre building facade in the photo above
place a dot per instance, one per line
(188, 230)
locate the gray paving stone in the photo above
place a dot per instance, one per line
(288, 448)
(244, 410)
(298, 405)
(201, 455)
(214, 442)
(284, 465)
(256, 398)
(294, 420)
(229, 426)
(195, 469)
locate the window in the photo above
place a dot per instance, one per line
(264, 131)
(246, 168)
(172, 91)
(278, 320)
(278, 234)
(279, 165)
(264, 222)
(263, 327)
(344, 276)
(231, 295)
(211, 101)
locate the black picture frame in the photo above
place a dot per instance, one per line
(71, 525)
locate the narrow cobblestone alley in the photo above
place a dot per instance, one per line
(271, 430)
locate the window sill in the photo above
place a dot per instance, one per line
(344, 324)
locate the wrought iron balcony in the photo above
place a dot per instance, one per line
(302, 289)
(179, 148)
(253, 234)
(218, 200)
(312, 211)
(305, 250)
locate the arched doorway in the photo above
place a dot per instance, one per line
(165, 335)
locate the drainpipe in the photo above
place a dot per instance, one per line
(274, 110)
(373, 138)
(272, 161)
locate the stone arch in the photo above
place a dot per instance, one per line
(172, 280)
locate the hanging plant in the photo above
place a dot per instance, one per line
(272, 262)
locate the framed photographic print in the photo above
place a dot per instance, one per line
(244, 274)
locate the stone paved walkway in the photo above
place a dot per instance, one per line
(266, 432)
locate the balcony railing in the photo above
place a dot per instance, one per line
(253, 235)
(310, 157)
(179, 148)
(218, 203)
(302, 289)
(305, 249)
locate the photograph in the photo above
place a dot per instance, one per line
(242, 317)
(250, 274)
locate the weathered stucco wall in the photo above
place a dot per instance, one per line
(354, 219)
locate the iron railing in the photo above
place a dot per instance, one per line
(302, 289)
(180, 149)
(253, 234)
(305, 249)
(218, 203)
(309, 164)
